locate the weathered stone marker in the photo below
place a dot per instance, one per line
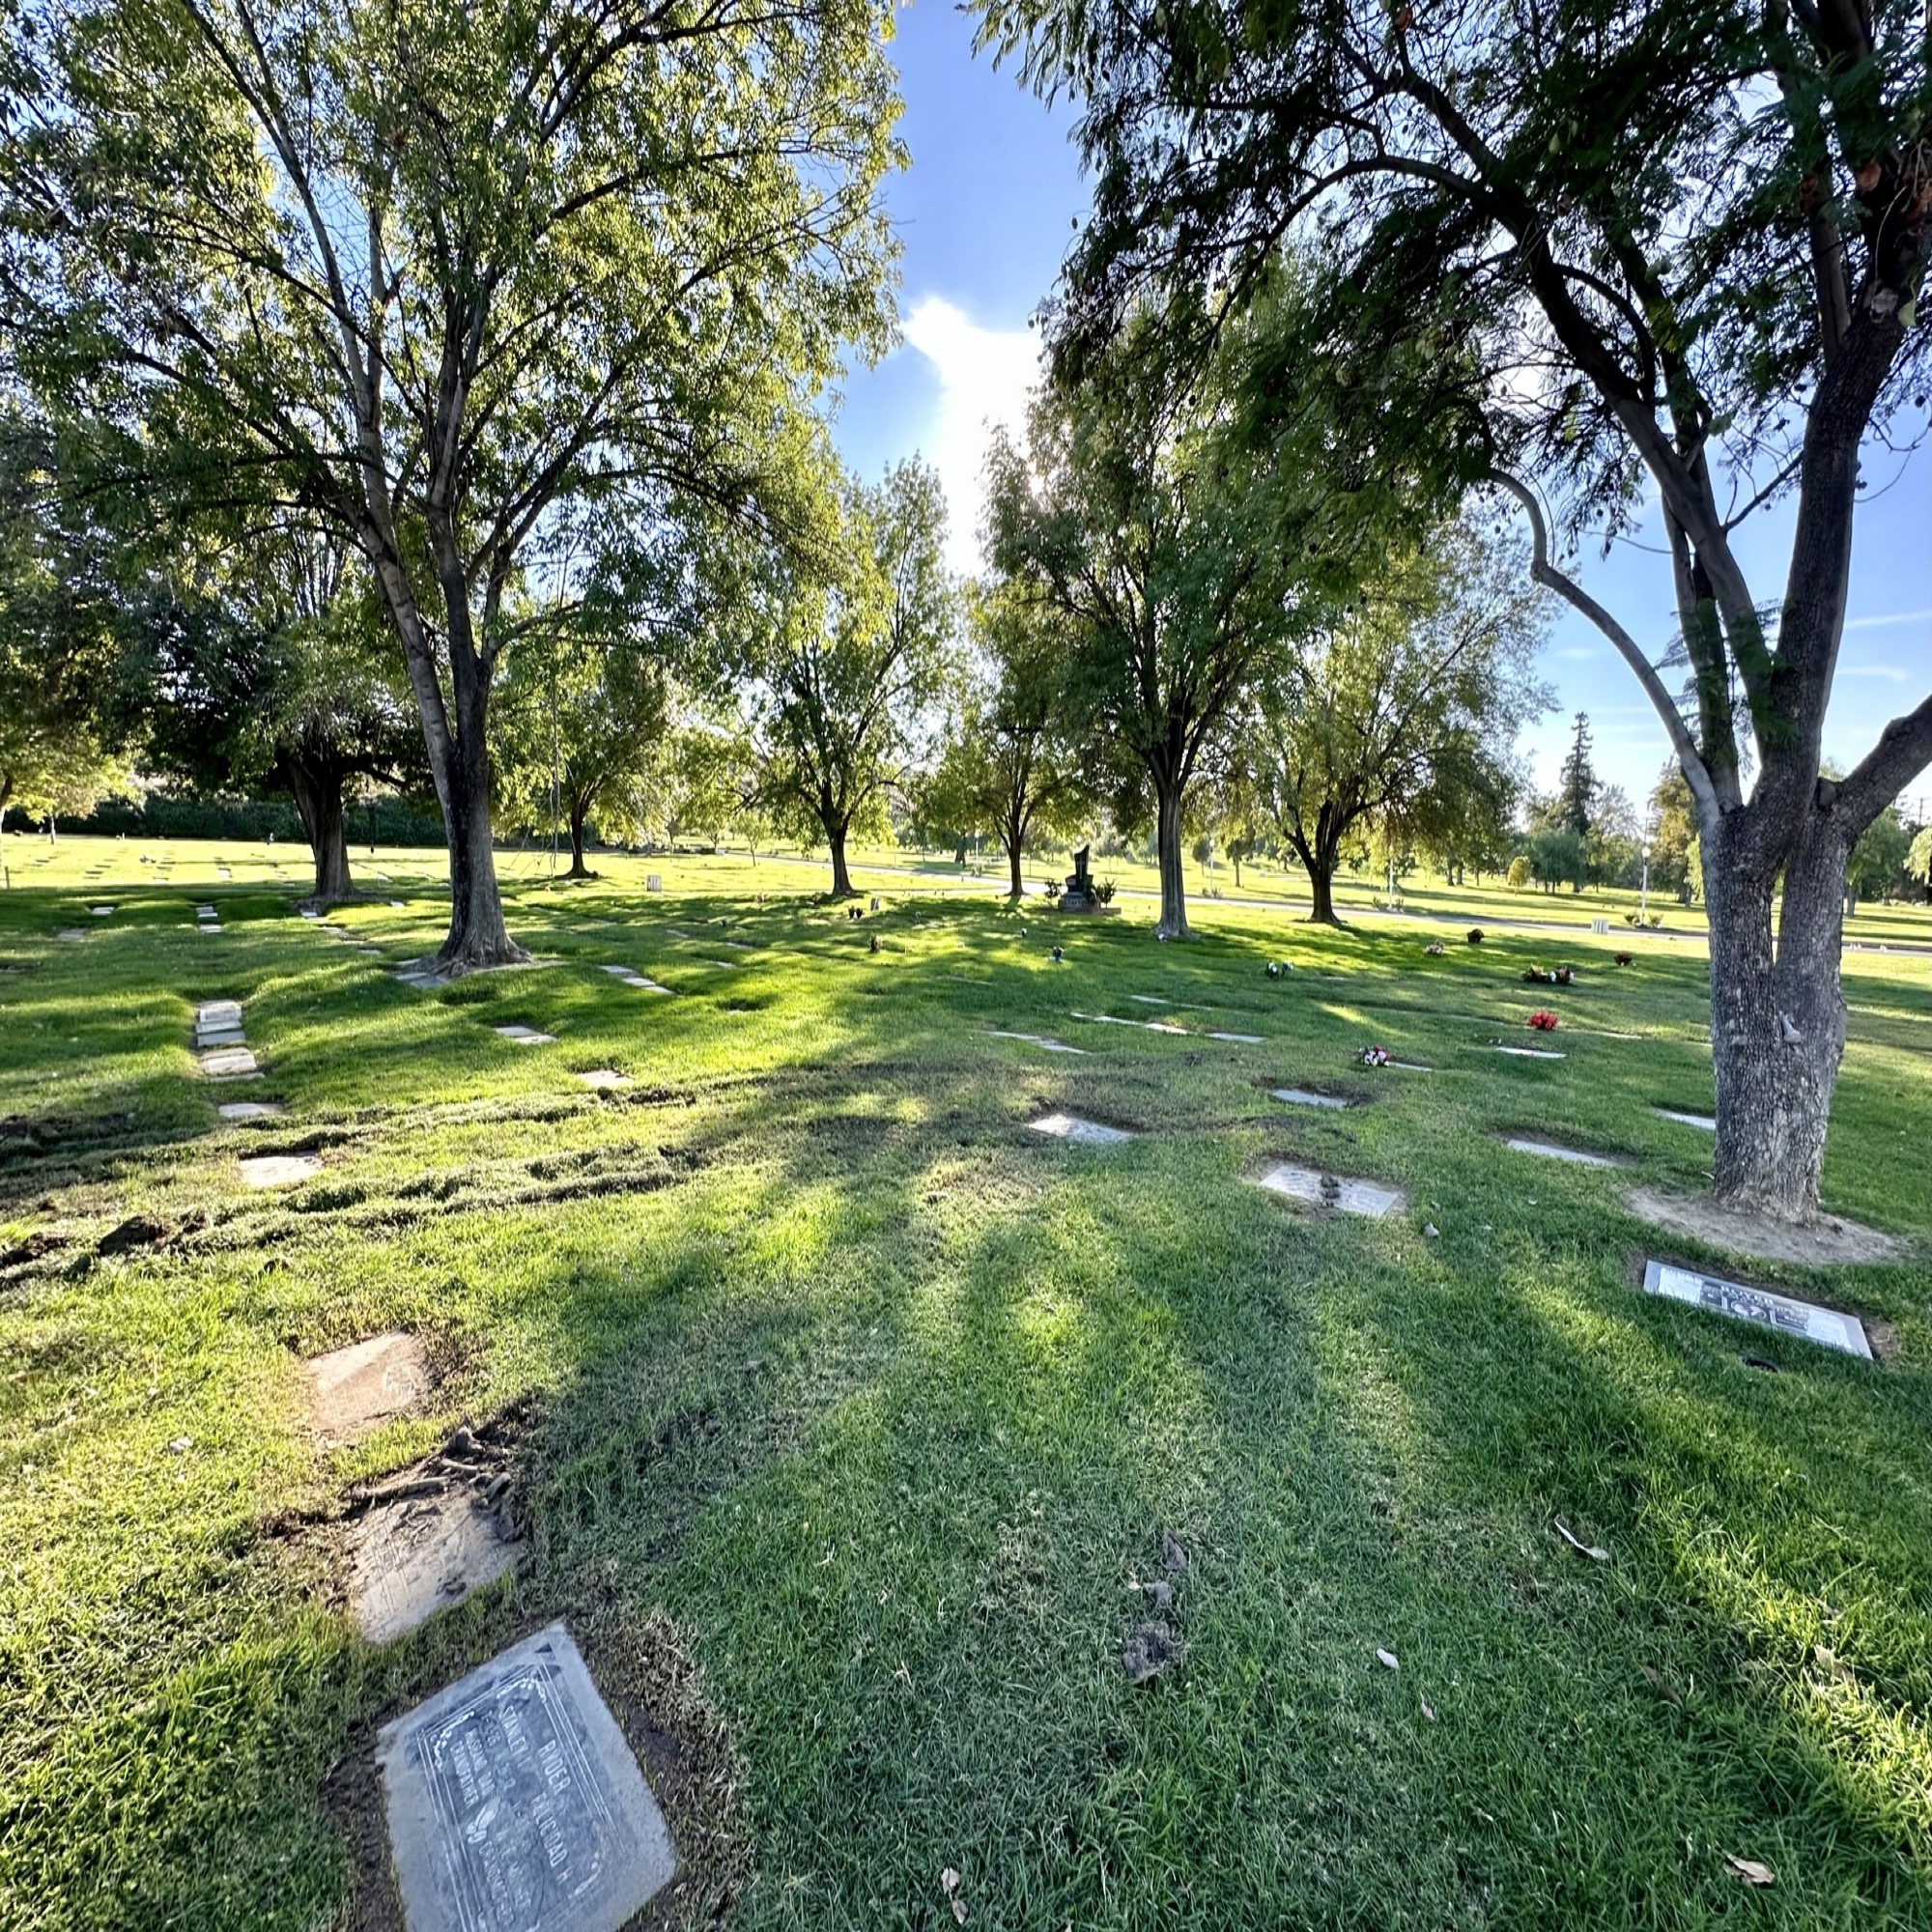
(1330, 1190)
(280, 1169)
(522, 1036)
(1299, 1096)
(1082, 1133)
(1706, 1122)
(353, 1390)
(229, 1063)
(1239, 1038)
(1531, 1052)
(1034, 1040)
(1762, 1305)
(251, 1110)
(515, 1805)
(1550, 1150)
(605, 1079)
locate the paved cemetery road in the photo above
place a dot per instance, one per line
(1451, 920)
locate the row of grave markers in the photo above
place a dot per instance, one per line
(512, 1798)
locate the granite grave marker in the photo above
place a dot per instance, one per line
(515, 1804)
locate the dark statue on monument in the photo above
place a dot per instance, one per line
(1079, 893)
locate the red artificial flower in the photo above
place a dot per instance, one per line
(1543, 1022)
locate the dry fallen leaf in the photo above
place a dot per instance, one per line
(959, 1912)
(949, 1880)
(1661, 1684)
(1749, 1870)
(1427, 1712)
(1388, 1657)
(1595, 1555)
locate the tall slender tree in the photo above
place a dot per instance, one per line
(1582, 247)
(1402, 713)
(1009, 763)
(1577, 783)
(1173, 562)
(840, 660)
(439, 274)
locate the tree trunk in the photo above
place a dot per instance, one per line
(315, 782)
(477, 935)
(841, 878)
(578, 868)
(1017, 887)
(1775, 1089)
(1321, 888)
(1167, 843)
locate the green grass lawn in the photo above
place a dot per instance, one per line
(849, 1413)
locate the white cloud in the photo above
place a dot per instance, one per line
(984, 376)
(1892, 673)
(1884, 622)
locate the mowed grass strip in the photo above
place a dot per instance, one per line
(885, 1402)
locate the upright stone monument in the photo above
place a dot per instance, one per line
(1079, 893)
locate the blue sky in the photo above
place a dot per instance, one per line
(985, 215)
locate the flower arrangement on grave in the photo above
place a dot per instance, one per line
(1435, 949)
(1277, 968)
(875, 945)
(1624, 959)
(1542, 1021)
(1105, 891)
(1056, 955)
(1564, 975)
(1537, 976)
(1374, 1056)
(1475, 935)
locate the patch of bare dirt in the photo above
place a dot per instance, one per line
(1825, 1242)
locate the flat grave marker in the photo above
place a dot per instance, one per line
(353, 1390)
(1708, 1123)
(1315, 1189)
(1149, 999)
(522, 1036)
(604, 1079)
(628, 975)
(1550, 1150)
(1532, 1052)
(1300, 1096)
(1408, 1066)
(1080, 1133)
(230, 1062)
(279, 1170)
(1239, 1038)
(414, 1554)
(1784, 1313)
(514, 1804)
(101, 912)
(1116, 1019)
(251, 1110)
(71, 932)
(1034, 1040)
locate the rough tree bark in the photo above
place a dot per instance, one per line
(579, 811)
(836, 829)
(316, 781)
(1167, 790)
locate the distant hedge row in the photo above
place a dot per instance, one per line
(389, 821)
